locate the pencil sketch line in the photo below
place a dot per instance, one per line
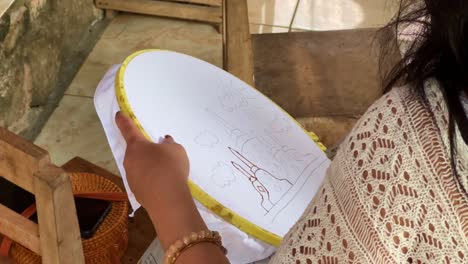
(260, 178)
(245, 143)
(206, 139)
(297, 179)
(299, 190)
(222, 175)
(232, 100)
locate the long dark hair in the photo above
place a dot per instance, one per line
(439, 50)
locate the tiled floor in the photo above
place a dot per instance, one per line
(74, 128)
(274, 16)
(277, 13)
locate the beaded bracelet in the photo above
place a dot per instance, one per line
(188, 241)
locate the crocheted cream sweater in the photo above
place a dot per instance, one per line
(390, 195)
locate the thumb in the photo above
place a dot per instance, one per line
(128, 129)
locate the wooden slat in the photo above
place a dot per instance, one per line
(238, 56)
(204, 2)
(165, 9)
(19, 229)
(330, 129)
(20, 159)
(140, 229)
(59, 231)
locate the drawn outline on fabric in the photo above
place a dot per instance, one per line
(206, 139)
(223, 175)
(270, 187)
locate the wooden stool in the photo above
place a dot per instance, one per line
(58, 239)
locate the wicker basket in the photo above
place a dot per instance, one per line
(110, 241)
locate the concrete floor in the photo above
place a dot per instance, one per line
(74, 128)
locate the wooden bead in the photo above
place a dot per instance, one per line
(186, 240)
(179, 244)
(202, 234)
(171, 250)
(193, 236)
(176, 249)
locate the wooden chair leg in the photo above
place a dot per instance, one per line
(59, 232)
(238, 54)
(56, 237)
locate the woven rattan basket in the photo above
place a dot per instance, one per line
(110, 241)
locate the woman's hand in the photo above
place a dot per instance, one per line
(157, 175)
(152, 169)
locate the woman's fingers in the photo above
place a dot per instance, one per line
(168, 140)
(128, 129)
(131, 133)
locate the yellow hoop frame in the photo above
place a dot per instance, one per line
(203, 197)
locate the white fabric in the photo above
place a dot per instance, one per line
(241, 247)
(106, 106)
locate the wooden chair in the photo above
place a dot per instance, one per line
(209, 11)
(325, 79)
(56, 237)
(229, 16)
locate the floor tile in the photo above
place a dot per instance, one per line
(342, 14)
(128, 33)
(75, 130)
(271, 12)
(260, 29)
